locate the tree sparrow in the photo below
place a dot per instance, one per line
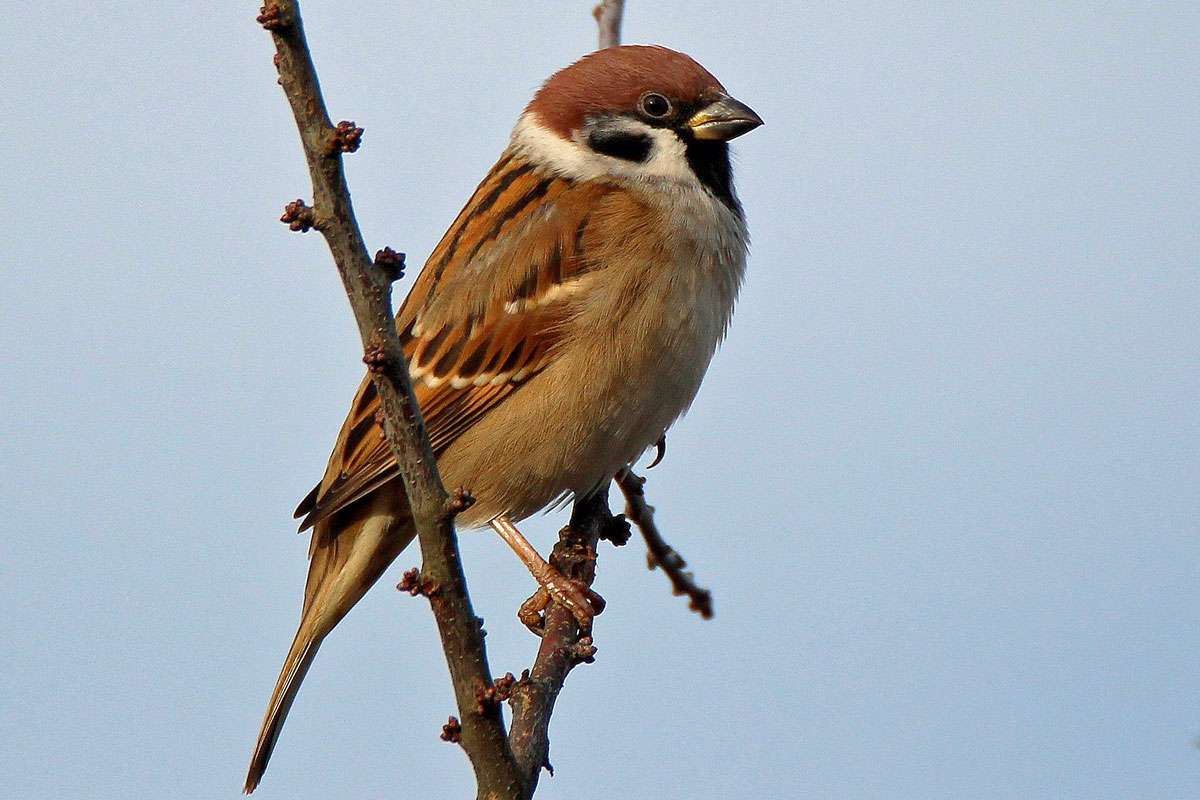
(562, 324)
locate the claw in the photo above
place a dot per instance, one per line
(532, 611)
(597, 602)
(661, 447)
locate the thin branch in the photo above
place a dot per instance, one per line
(563, 644)
(368, 287)
(608, 19)
(658, 552)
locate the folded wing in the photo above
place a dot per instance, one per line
(484, 316)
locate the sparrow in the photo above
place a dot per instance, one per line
(562, 324)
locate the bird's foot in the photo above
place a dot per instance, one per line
(575, 596)
(554, 587)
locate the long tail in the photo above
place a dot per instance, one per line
(346, 558)
(295, 667)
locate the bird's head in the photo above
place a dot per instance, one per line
(636, 112)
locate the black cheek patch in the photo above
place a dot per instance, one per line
(621, 144)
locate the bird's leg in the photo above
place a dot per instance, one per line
(581, 601)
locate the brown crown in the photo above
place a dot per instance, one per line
(614, 79)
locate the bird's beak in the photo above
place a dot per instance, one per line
(723, 120)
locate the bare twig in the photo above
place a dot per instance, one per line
(563, 643)
(369, 289)
(608, 19)
(659, 553)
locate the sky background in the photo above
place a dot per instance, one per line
(943, 479)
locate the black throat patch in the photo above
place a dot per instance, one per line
(710, 161)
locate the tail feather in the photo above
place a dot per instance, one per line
(347, 556)
(295, 667)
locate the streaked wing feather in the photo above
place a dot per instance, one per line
(483, 317)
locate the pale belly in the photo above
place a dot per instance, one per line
(594, 410)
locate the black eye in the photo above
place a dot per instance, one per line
(655, 105)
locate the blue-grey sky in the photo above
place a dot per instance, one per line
(943, 478)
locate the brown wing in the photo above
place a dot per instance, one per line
(483, 317)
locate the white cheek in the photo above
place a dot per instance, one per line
(574, 159)
(563, 156)
(668, 158)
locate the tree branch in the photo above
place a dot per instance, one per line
(563, 645)
(608, 16)
(658, 552)
(368, 287)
